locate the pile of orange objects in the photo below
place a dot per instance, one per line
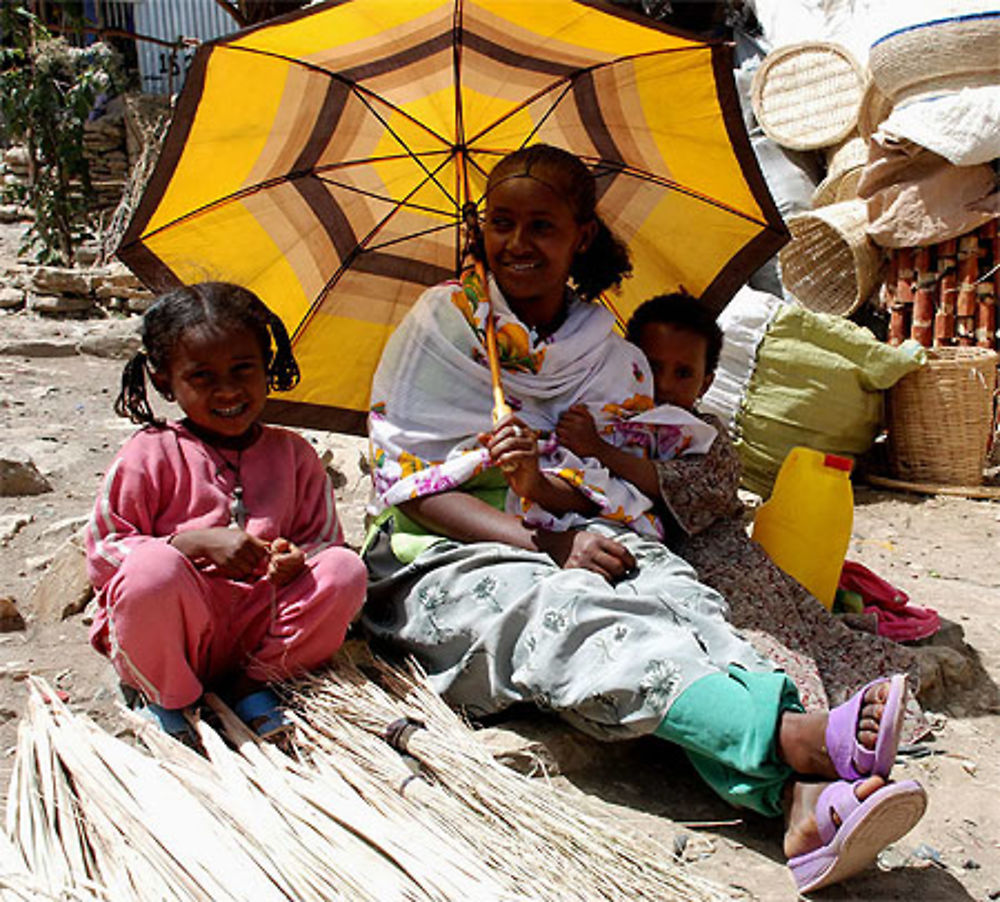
(945, 294)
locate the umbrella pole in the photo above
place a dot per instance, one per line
(501, 409)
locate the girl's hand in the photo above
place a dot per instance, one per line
(287, 562)
(513, 447)
(579, 549)
(236, 554)
(577, 431)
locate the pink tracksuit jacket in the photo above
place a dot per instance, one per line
(172, 626)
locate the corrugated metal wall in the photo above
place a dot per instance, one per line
(162, 69)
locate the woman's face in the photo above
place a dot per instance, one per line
(531, 238)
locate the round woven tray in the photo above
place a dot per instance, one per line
(806, 95)
(942, 55)
(844, 164)
(940, 417)
(830, 266)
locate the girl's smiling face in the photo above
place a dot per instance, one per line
(219, 380)
(531, 238)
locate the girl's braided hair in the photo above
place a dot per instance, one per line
(220, 306)
(606, 261)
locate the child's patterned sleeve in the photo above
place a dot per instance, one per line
(699, 489)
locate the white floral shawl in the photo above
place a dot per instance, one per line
(431, 397)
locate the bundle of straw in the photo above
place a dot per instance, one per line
(244, 824)
(344, 815)
(526, 827)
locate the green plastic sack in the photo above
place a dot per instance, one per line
(818, 381)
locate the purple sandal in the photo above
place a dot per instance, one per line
(866, 828)
(851, 759)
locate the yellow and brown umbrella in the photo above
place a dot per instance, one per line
(323, 159)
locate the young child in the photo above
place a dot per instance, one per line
(704, 519)
(214, 545)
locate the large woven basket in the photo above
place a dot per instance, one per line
(806, 95)
(943, 55)
(940, 417)
(830, 265)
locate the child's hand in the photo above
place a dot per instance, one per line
(514, 448)
(287, 562)
(579, 549)
(236, 554)
(577, 431)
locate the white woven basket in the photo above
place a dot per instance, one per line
(806, 95)
(830, 265)
(942, 55)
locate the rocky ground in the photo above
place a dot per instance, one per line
(58, 378)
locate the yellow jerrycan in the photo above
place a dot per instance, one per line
(805, 526)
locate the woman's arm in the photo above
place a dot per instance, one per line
(466, 518)
(513, 447)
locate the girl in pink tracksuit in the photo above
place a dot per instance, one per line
(214, 544)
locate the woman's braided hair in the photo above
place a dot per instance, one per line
(606, 261)
(220, 306)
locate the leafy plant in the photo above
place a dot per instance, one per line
(47, 90)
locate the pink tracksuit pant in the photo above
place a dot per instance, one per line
(171, 630)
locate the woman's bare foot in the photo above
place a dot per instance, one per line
(801, 831)
(802, 737)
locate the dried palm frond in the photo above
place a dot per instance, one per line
(524, 827)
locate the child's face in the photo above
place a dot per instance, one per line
(677, 359)
(531, 237)
(219, 380)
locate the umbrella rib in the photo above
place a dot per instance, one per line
(292, 176)
(366, 97)
(670, 184)
(355, 252)
(360, 90)
(567, 81)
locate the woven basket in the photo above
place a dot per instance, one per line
(806, 95)
(874, 109)
(830, 265)
(844, 164)
(940, 417)
(943, 55)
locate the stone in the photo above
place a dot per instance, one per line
(64, 589)
(11, 620)
(45, 348)
(140, 304)
(113, 347)
(62, 280)
(20, 476)
(10, 213)
(59, 303)
(11, 525)
(16, 156)
(11, 298)
(65, 527)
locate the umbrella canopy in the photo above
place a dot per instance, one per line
(322, 160)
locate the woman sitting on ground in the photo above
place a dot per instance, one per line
(515, 571)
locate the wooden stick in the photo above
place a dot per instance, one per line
(922, 326)
(968, 273)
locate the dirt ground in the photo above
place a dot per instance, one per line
(55, 406)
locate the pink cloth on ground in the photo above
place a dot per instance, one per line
(171, 626)
(895, 617)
